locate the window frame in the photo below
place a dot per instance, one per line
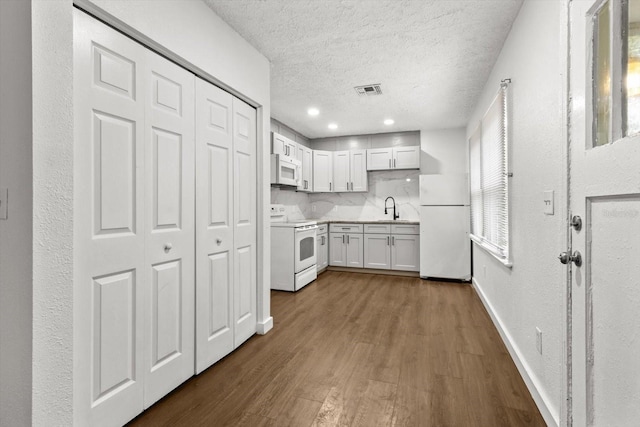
(501, 252)
(618, 60)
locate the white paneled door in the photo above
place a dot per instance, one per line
(109, 224)
(215, 223)
(603, 387)
(226, 219)
(244, 217)
(169, 226)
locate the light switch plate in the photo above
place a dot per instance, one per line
(548, 202)
(4, 201)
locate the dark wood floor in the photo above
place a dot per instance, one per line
(356, 349)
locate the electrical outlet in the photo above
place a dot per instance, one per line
(539, 340)
(335, 208)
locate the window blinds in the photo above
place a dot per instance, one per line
(489, 179)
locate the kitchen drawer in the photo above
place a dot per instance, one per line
(405, 229)
(377, 228)
(346, 228)
(322, 228)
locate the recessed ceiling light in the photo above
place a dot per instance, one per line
(333, 126)
(389, 122)
(313, 111)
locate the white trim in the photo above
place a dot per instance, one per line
(526, 373)
(263, 327)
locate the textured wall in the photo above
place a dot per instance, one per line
(15, 232)
(444, 151)
(530, 294)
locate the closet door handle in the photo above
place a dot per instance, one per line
(167, 247)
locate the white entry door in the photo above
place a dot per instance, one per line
(215, 223)
(604, 294)
(169, 224)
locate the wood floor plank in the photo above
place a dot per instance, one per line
(361, 349)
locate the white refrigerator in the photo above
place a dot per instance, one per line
(445, 248)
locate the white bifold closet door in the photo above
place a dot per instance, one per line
(226, 222)
(133, 224)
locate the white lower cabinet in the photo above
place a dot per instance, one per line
(346, 250)
(377, 251)
(322, 251)
(392, 247)
(405, 252)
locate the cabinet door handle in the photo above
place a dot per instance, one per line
(389, 163)
(347, 239)
(343, 238)
(329, 186)
(322, 240)
(387, 240)
(394, 163)
(393, 240)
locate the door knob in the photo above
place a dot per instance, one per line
(576, 223)
(168, 247)
(566, 258)
(218, 240)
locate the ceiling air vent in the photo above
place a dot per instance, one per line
(369, 90)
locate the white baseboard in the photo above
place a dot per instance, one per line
(264, 327)
(525, 372)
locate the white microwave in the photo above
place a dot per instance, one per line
(285, 170)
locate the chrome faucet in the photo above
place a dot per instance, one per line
(395, 215)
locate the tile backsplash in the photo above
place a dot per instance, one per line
(403, 185)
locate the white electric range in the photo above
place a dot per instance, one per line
(293, 251)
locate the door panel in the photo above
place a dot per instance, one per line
(355, 250)
(341, 180)
(604, 190)
(109, 232)
(244, 184)
(379, 159)
(114, 334)
(406, 157)
(377, 251)
(170, 237)
(337, 249)
(214, 219)
(405, 252)
(358, 172)
(322, 171)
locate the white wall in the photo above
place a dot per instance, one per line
(530, 294)
(443, 151)
(15, 232)
(285, 130)
(200, 40)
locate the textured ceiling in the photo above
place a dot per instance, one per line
(432, 58)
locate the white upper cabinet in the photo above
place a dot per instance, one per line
(358, 170)
(282, 145)
(350, 170)
(393, 158)
(322, 171)
(341, 175)
(406, 157)
(305, 156)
